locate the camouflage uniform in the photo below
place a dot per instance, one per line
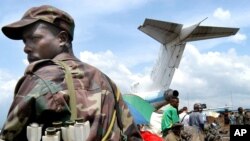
(239, 119)
(42, 94)
(247, 118)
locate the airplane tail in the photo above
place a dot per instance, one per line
(173, 38)
(167, 32)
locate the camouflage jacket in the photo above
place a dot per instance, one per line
(247, 118)
(239, 119)
(41, 96)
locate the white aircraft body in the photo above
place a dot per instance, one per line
(173, 38)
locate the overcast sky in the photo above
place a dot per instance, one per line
(215, 72)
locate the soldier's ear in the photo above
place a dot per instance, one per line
(63, 37)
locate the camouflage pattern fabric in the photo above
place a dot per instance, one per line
(239, 119)
(41, 96)
(247, 118)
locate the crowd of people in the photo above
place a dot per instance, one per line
(176, 122)
(182, 124)
(238, 118)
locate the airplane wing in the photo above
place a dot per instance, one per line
(161, 31)
(208, 32)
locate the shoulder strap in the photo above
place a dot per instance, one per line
(71, 89)
(116, 113)
(117, 95)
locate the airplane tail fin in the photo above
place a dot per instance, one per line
(167, 32)
(197, 32)
(173, 38)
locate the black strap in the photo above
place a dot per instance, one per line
(119, 120)
(183, 118)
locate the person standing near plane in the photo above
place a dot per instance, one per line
(184, 116)
(232, 118)
(204, 116)
(247, 118)
(196, 118)
(57, 86)
(170, 116)
(240, 117)
(197, 122)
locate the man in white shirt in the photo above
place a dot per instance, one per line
(184, 117)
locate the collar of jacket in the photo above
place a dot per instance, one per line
(65, 57)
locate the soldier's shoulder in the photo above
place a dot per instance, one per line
(91, 69)
(92, 73)
(40, 65)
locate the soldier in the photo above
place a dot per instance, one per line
(57, 86)
(247, 118)
(240, 117)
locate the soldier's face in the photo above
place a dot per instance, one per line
(41, 41)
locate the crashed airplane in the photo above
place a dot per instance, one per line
(173, 38)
